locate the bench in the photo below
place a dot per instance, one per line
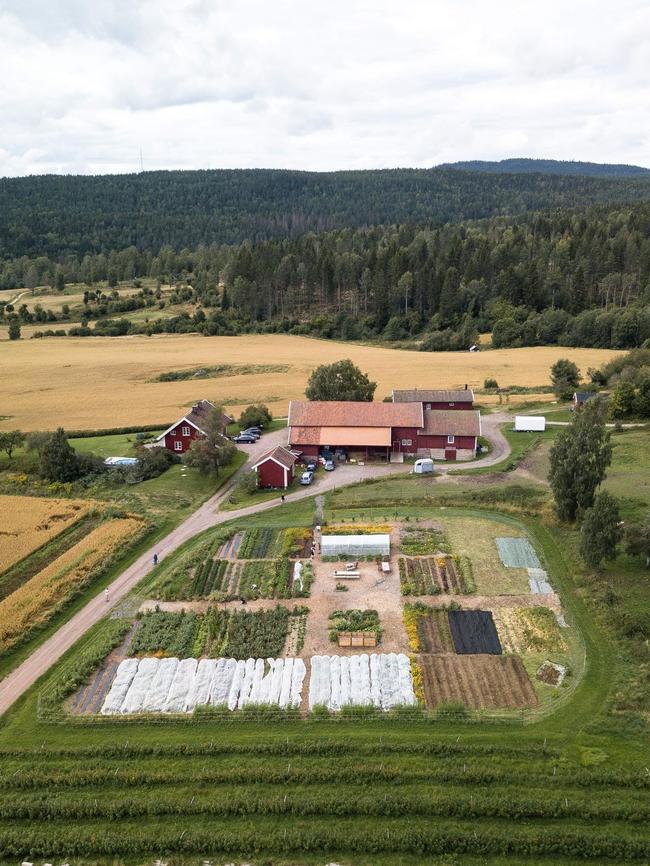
(353, 575)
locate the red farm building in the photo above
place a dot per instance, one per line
(379, 430)
(276, 468)
(183, 432)
(433, 399)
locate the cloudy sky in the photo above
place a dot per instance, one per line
(328, 85)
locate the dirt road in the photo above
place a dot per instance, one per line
(18, 681)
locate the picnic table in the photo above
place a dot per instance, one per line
(351, 575)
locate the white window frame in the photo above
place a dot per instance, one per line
(427, 406)
(178, 445)
(407, 441)
(450, 440)
(452, 404)
(185, 431)
(172, 432)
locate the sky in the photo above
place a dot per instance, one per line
(89, 86)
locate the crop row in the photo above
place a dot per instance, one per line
(403, 837)
(341, 772)
(258, 543)
(334, 802)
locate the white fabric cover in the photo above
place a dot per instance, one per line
(297, 680)
(124, 674)
(222, 681)
(285, 687)
(183, 679)
(139, 687)
(199, 692)
(381, 679)
(156, 697)
(236, 685)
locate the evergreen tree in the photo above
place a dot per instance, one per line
(579, 459)
(14, 328)
(565, 377)
(59, 461)
(601, 531)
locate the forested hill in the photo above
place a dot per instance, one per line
(55, 215)
(550, 166)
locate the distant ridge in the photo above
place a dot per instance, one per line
(548, 166)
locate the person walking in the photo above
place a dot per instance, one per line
(282, 499)
(106, 595)
(155, 559)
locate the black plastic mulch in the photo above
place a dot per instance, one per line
(474, 631)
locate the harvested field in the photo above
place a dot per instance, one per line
(478, 682)
(29, 522)
(36, 600)
(106, 381)
(473, 632)
(434, 633)
(429, 575)
(528, 629)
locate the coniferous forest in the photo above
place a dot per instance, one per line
(438, 255)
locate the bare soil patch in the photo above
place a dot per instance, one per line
(478, 682)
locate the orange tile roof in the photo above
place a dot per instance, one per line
(339, 413)
(451, 422)
(335, 436)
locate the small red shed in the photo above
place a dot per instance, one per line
(276, 468)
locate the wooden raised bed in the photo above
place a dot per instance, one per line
(357, 638)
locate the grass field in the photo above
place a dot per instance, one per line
(105, 382)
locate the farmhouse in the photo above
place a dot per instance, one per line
(276, 468)
(437, 399)
(582, 397)
(183, 432)
(377, 430)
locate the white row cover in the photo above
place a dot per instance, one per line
(355, 545)
(379, 680)
(151, 685)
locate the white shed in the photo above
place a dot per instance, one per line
(355, 545)
(530, 423)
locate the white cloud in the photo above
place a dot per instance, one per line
(209, 83)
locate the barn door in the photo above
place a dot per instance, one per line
(450, 453)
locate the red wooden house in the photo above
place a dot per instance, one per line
(180, 435)
(437, 399)
(366, 430)
(276, 468)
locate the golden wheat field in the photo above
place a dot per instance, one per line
(36, 600)
(28, 523)
(102, 382)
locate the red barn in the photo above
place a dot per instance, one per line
(437, 399)
(276, 468)
(180, 435)
(375, 430)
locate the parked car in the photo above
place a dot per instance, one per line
(306, 477)
(330, 466)
(256, 430)
(311, 466)
(245, 439)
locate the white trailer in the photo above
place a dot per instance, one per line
(424, 466)
(530, 423)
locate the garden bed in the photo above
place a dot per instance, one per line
(430, 575)
(477, 682)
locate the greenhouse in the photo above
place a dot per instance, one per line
(355, 545)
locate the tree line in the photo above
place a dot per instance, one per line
(572, 277)
(56, 215)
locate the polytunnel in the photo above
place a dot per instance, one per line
(355, 545)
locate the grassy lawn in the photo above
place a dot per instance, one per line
(520, 444)
(120, 445)
(628, 478)
(474, 537)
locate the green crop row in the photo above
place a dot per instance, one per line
(333, 802)
(240, 838)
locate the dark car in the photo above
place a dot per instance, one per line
(257, 430)
(245, 439)
(311, 466)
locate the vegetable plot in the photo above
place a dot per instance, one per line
(473, 631)
(153, 685)
(380, 680)
(517, 553)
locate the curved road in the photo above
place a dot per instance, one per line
(25, 675)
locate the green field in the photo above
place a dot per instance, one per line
(565, 783)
